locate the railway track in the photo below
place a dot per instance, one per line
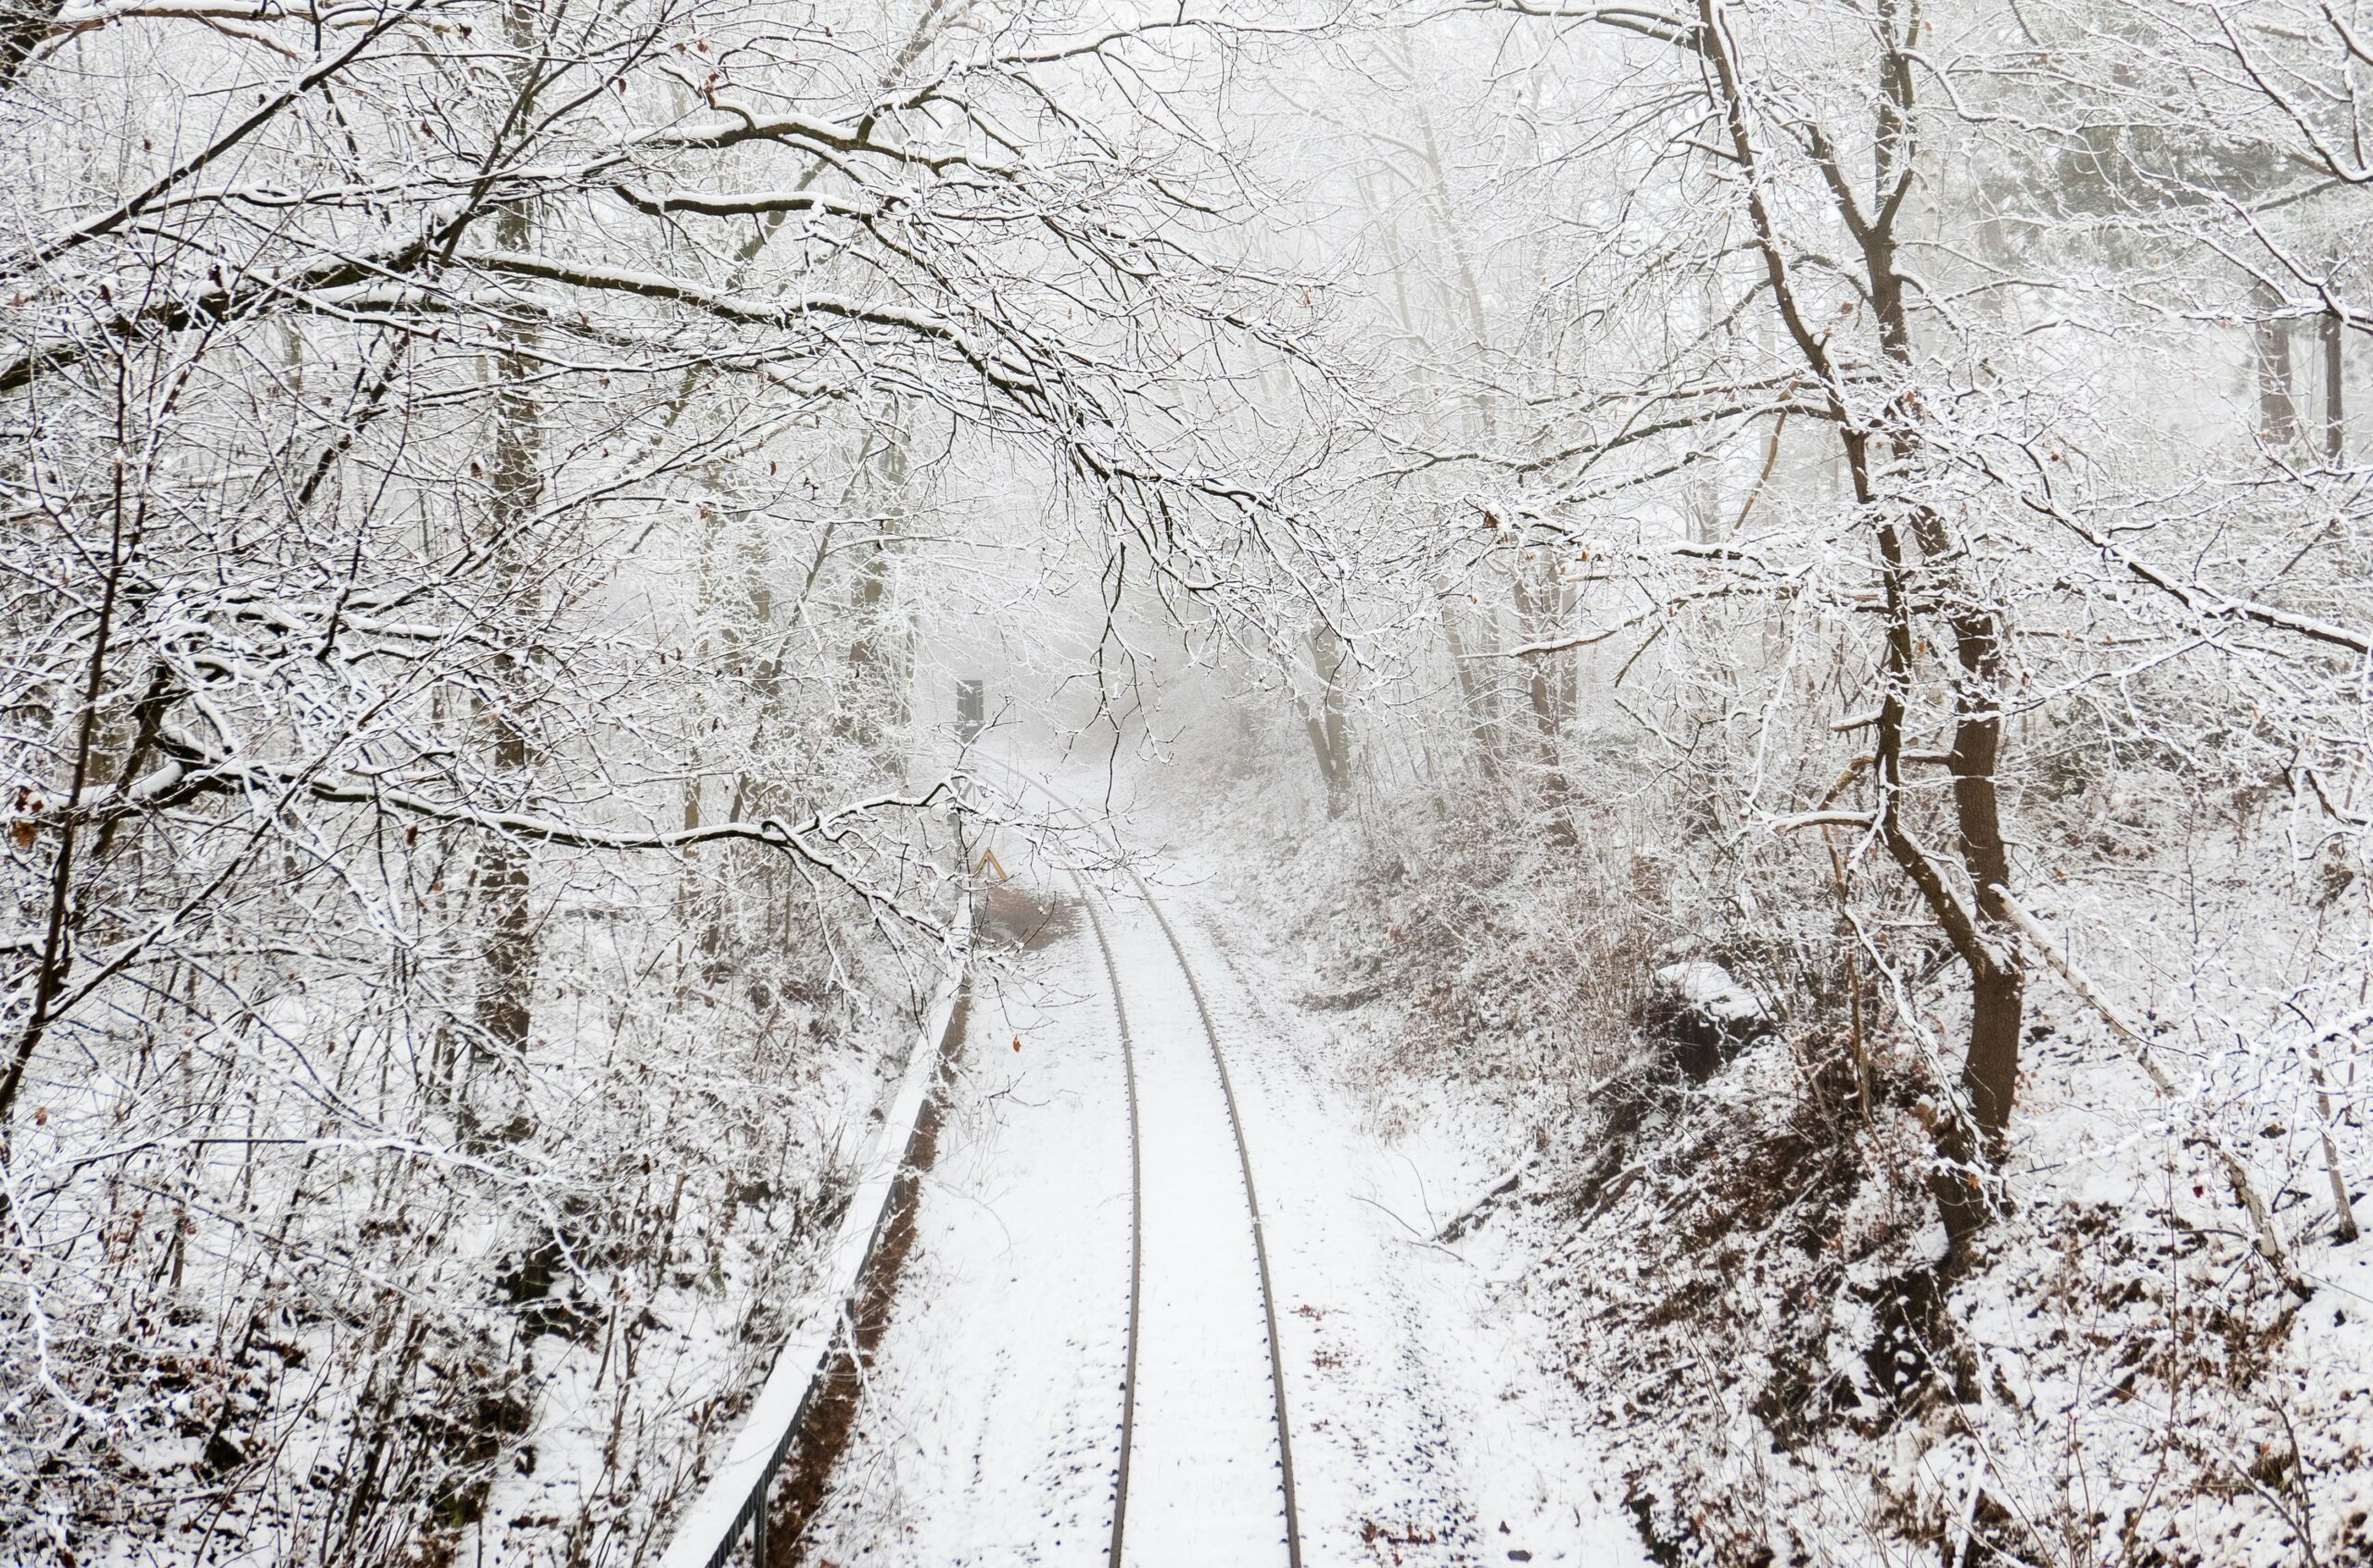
(1205, 1469)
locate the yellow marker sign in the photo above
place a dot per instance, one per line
(989, 858)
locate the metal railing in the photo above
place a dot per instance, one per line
(733, 1500)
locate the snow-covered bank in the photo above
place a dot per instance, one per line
(1739, 1275)
(525, 1353)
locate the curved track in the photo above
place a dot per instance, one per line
(1198, 1428)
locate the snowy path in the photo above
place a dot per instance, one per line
(1427, 1427)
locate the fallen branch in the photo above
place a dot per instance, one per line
(1475, 1213)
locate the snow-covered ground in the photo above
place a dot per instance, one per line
(1429, 1422)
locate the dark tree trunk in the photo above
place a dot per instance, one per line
(2335, 428)
(507, 947)
(1330, 727)
(1939, 584)
(2277, 409)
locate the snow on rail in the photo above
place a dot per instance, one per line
(736, 1489)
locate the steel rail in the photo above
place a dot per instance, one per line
(1136, 1228)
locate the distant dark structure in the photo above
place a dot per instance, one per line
(970, 710)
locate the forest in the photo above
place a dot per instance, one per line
(1674, 697)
